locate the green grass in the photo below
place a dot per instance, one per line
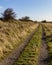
(31, 53)
(48, 31)
(50, 52)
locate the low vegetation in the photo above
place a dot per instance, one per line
(31, 53)
(12, 34)
(48, 31)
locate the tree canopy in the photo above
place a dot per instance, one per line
(9, 14)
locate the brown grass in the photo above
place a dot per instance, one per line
(12, 34)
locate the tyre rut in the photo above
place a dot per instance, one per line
(43, 56)
(16, 53)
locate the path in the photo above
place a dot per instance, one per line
(43, 57)
(16, 53)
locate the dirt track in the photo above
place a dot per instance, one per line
(43, 57)
(16, 53)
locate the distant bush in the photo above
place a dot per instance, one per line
(9, 14)
(26, 18)
(1, 18)
(35, 21)
(44, 21)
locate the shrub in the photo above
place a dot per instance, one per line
(44, 21)
(26, 18)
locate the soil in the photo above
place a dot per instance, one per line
(43, 56)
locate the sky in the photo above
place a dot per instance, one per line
(35, 9)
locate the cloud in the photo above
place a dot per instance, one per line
(1, 7)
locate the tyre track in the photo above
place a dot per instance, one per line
(16, 53)
(43, 56)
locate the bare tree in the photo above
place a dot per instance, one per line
(9, 14)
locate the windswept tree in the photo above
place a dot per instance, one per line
(9, 14)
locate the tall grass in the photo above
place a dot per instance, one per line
(12, 34)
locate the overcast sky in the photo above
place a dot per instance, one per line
(36, 9)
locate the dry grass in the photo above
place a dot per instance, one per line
(12, 34)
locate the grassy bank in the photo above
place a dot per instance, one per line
(12, 34)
